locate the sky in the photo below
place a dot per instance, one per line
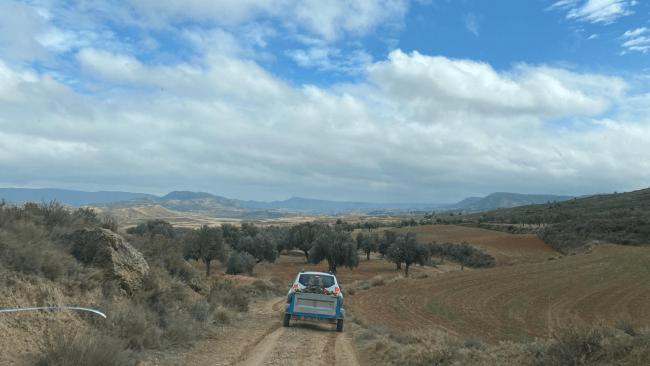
(365, 100)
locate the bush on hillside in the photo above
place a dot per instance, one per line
(464, 253)
(570, 346)
(75, 348)
(240, 262)
(153, 227)
(226, 294)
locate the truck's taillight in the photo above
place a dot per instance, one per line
(295, 286)
(336, 290)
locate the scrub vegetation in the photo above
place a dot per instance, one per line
(173, 307)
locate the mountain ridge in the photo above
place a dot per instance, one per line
(208, 203)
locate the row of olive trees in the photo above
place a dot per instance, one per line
(241, 247)
(404, 248)
(332, 243)
(464, 253)
(396, 247)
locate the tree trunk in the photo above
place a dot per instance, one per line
(207, 267)
(406, 270)
(368, 255)
(331, 266)
(399, 265)
(306, 255)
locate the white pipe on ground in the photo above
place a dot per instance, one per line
(54, 308)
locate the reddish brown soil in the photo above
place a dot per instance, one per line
(520, 301)
(505, 247)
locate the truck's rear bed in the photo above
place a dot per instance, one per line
(314, 305)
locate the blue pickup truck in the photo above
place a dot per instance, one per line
(315, 296)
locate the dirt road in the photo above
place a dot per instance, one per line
(259, 339)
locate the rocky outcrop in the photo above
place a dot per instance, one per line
(109, 251)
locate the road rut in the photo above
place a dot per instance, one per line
(259, 339)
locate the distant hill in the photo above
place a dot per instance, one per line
(619, 218)
(213, 205)
(310, 205)
(505, 200)
(69, 197)
(185, 195)
(218, 206)
(468, 202)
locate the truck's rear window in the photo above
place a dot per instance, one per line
(313, 280)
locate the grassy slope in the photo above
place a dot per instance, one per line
(622, 218)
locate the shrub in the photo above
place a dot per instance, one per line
(571, 347)
(71, 348)
(135, 324)
(240, 262)
(377, 281)
(464, 253)
(153, 227)
(169, 309)
(228, 295)
(26, 248)
(110, 223)
(180, 329)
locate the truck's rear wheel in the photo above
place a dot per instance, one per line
(287, 319)
(339, 325)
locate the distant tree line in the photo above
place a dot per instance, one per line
(242, 247)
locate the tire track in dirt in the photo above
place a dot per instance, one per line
(259, 339)
(302, 344)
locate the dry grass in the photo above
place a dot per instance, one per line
(570, 346)
(77, 348)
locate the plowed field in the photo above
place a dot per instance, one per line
(506, 248)
(518, 302)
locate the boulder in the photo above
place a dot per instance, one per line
(109, 251)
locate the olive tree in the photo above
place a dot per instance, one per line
(406, 249)
(336, 247)
(385, 242)
(261, 247)
(206, 244)
(367, 243)
(302, 236)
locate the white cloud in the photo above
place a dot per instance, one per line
(471, 23)
(329, 20)
(595, 11)
(326, 58)
(418, 128)
(439, 86)
(159, 12)
(19, 27)
(637, 40)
